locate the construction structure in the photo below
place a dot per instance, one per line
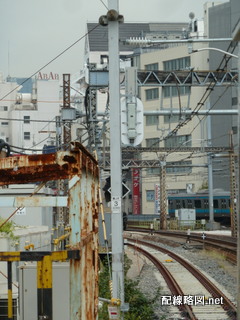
(81, 170)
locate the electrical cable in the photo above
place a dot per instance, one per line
(31, 120)
(104, 4)
(48, 63)
(40, 186)
(205, 96)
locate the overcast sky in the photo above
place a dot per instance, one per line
(33, 32)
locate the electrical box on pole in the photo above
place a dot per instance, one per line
(131, 111)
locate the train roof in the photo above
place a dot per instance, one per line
(216, 193)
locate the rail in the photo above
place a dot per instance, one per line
(185, 310)
(228, 306)
(171, 224)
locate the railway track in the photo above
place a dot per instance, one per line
(224, 244)
(217, 305)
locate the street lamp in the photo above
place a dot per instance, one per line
(215, 49)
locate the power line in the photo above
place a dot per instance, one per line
(206, 94)
(104, 4)
(31, 120)
(48, 63)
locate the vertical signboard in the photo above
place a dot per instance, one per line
(136, 191)
(157, 199)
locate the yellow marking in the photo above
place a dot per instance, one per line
(59, 255)
(10, 256)
(44, 273)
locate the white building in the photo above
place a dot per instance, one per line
(28, 119)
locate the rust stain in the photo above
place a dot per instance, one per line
(69, 159)
(63, 165)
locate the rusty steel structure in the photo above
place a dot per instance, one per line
(81, 170)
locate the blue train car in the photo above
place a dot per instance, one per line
(200, 202)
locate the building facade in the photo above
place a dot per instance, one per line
(185, 172)
(28, 118)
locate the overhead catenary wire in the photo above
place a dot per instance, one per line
(199, 105)
(206, 94)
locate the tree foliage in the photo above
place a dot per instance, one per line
(8, 229)
(141, 307)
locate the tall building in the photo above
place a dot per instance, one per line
(172, 131)
(220, 20)
(185, 172)
(28, 118)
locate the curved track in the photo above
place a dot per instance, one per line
(227, 305)
(226, 244)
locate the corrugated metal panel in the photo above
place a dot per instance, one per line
(98, 39)
(168, 27)
(83, 212)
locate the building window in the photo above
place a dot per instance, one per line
(175, 91)
(104, 59)
(152, 94)
(152, 143)
(26, 119)
(234, 101)
(3, 108)
(171, 118)
(178, 141)
(4, 123)
(174, 118)
(179, 167)
(150, 195)
(234, 130)
(153, 171)
(26, 135)
(151, 67)
(197, 204)
(176, 64)
(152, 120)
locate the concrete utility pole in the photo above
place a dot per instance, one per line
(112, 19)
(210, 176)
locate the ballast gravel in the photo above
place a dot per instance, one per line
(219, 269)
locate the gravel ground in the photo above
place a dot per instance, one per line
(212, 264)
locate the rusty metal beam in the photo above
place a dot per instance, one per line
(35, 201)
(46, 167)
(81, 170)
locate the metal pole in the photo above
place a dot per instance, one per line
(44, 288)
(10, 300)
(115, 153)
(210, 175)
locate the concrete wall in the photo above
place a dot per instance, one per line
(220, 27)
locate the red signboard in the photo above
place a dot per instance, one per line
(136, 191)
